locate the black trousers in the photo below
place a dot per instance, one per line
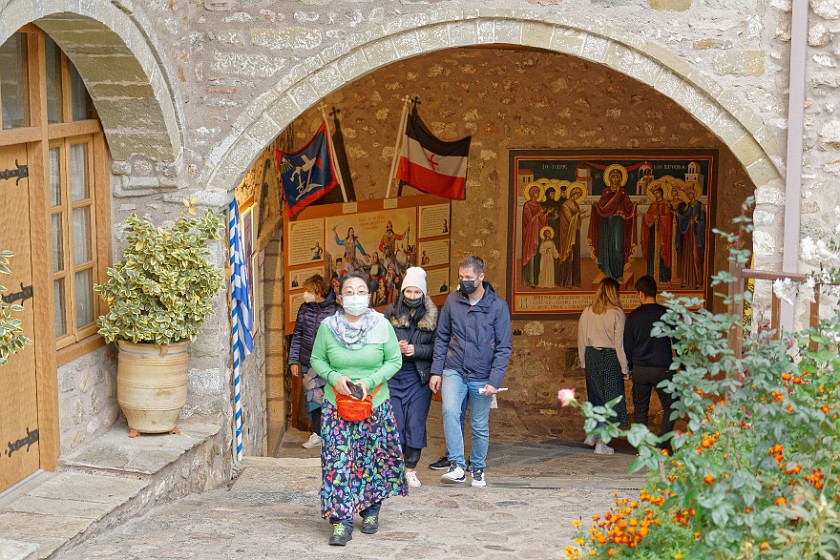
(647, 378)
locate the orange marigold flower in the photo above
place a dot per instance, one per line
(708, 479)
(780, 501)
(786, 377)
(764, 545)
(825, 409)
(576, 522)
(697, 535)
(664, 452)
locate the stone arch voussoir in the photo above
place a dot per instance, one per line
(130, 84)
(722, 112)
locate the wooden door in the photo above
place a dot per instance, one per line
(19, 445)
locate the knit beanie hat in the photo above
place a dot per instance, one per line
(415, 277)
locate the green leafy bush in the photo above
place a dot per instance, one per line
(163, 289)
(756, 472)
(11, 332)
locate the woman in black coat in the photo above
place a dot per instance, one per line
(318, 304)
(414, 318)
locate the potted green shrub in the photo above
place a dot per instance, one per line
(11, 331)
(158, 297)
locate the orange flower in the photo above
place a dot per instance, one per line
(764, 545)
(825, 409)
(709, 479)
(780, 501)
(786, 377)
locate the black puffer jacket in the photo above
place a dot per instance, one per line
(419, 332)
(308, 320)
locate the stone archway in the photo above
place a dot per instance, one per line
(720, 111)
(111, 45)
(741, 129)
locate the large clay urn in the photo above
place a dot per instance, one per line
(152, 385)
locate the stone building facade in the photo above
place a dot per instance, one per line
(190, 94)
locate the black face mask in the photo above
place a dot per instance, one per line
(467, 287)
(413, 303)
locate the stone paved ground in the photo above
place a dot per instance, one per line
(537, 486)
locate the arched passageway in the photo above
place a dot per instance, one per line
(517, 98)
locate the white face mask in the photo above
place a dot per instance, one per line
(309, 297)
(355, 305)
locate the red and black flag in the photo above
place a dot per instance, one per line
(430, 164)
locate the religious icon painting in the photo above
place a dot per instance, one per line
(578, 217)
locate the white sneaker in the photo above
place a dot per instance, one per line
(412, 479)
(313, 441)
(478, 478)
(602, 448)
(456, 475)
(590, 441)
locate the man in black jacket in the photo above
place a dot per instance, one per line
(648, 358)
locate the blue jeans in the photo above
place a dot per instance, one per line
(453, 392)
(463, 419)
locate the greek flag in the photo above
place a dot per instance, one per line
(241, 313)
(241, 317)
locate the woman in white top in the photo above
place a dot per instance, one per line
(601, 351)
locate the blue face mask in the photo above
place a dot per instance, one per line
(355, 305)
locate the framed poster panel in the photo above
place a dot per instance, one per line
(434, 220)
(297, 277)
(376, 238)
(577, 217)
(309, 242)
(437, 281)
(433, 253)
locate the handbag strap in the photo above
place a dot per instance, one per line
(371, 394)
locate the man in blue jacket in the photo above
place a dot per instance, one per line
(471, 356)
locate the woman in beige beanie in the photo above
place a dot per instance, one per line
(414, 318)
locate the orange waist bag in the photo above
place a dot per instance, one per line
(352, 409)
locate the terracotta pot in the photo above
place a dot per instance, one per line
(152, 385)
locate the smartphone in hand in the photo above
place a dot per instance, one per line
(355, 390)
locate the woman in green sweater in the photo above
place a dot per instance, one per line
(361, 462)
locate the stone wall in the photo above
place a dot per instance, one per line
(87, 397)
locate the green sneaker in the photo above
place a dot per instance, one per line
(370, 524)
(341, 536)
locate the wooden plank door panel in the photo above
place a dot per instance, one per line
(19, 445)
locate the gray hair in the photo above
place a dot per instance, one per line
(475, 263)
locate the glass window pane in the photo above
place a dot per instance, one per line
(55, 177)
(60, 324)
(54, 106)
(82, 105)
(79, 171)
(84, 298)
(57, 243)
(81, 235)
(13, 82)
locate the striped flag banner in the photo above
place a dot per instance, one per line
(430, 164)
(241, 317)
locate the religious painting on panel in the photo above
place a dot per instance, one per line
(577, 217)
